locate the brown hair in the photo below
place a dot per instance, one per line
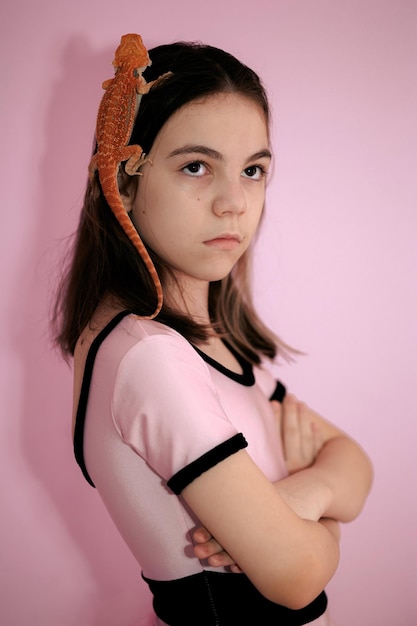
(105, 262)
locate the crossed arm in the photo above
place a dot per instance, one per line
(329, 476)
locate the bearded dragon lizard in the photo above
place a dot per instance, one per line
(115, 120)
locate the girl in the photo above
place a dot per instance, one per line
(172, 416)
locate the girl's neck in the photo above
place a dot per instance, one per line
(192, 300)
(190, 297)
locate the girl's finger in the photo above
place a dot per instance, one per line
(201, 535)
(291, 431)
(221, 559)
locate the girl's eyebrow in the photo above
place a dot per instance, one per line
(192, 149)
(214, 154)
(262, 154)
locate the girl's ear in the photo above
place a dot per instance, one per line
(127, 189)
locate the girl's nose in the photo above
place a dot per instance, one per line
(229, 198)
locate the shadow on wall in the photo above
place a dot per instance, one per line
(46, 410)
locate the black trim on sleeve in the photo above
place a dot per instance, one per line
(193, 470)
(279, 392)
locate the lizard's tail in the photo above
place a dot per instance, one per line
(125, 222)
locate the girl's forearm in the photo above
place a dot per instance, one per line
(335, 486)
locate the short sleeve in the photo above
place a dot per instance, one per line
(166, 408)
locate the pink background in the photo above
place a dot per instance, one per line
(335, 275)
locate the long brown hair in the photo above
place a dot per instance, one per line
(104, 261)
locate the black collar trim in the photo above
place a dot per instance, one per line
(246, 378)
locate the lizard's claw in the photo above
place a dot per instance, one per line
(133, 165)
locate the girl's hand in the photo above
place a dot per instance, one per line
(206, 547)
(302, 438)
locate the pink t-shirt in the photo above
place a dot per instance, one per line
(157, 413)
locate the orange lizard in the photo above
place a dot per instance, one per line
(115, 120)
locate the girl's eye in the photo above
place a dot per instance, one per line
(196, 168)
(256, 172)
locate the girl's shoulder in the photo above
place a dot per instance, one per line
(122, 338)
(110, 326)
(126, 334)
(134, 346)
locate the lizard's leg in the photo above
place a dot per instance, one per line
(92, 168)
(135, 159)
(143, 87)
(107, 83)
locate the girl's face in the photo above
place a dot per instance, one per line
(200, 199)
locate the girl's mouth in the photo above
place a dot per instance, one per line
(225, 241)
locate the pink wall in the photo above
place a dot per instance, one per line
(335, 275)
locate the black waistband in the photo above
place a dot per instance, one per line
(223, 599)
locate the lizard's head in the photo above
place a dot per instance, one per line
(132, 50)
